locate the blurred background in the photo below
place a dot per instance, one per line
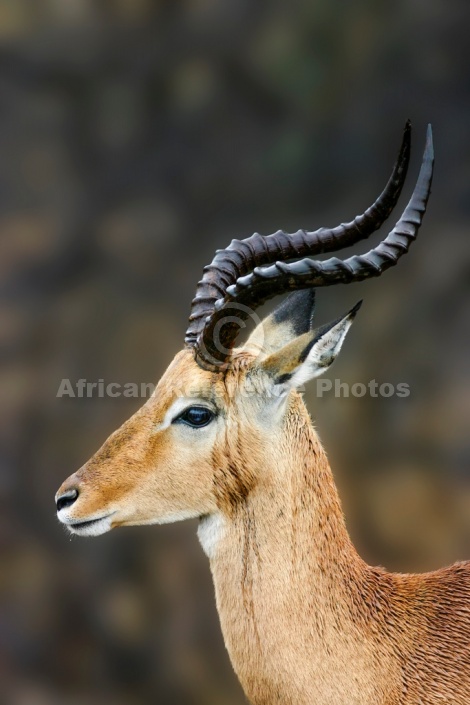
(136, 136)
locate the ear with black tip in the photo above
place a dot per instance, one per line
(310, 354)
(293, 317)
(297, 310)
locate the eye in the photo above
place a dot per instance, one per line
(195, 416)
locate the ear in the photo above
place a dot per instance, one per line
(308, 355)
(293, 317)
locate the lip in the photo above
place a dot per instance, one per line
(89, 527)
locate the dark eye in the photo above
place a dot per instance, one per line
(196, 416)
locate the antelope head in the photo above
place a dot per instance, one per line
(189, 451)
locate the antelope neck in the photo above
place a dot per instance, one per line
(288, 582)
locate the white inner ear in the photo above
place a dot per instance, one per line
(322, 354)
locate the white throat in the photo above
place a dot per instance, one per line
(210, 532)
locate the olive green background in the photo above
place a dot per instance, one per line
(135, 138)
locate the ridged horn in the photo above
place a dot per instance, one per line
(236, 282)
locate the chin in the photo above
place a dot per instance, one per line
(88, 527)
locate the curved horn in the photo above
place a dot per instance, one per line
(225, 296)
(242, 256)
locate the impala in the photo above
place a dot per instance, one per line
(226, 438)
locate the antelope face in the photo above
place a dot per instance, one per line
(173, 459)
(157, 467)
(196, 447)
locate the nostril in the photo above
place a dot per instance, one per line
(66, 499)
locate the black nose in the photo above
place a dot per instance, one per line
(66, 499)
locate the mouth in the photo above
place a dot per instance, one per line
(89, 527)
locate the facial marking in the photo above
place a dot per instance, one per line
(178, 407)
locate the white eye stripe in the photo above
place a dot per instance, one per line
(178, 407)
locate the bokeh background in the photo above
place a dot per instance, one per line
(136, 136)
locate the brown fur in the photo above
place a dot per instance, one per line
(305, 620)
